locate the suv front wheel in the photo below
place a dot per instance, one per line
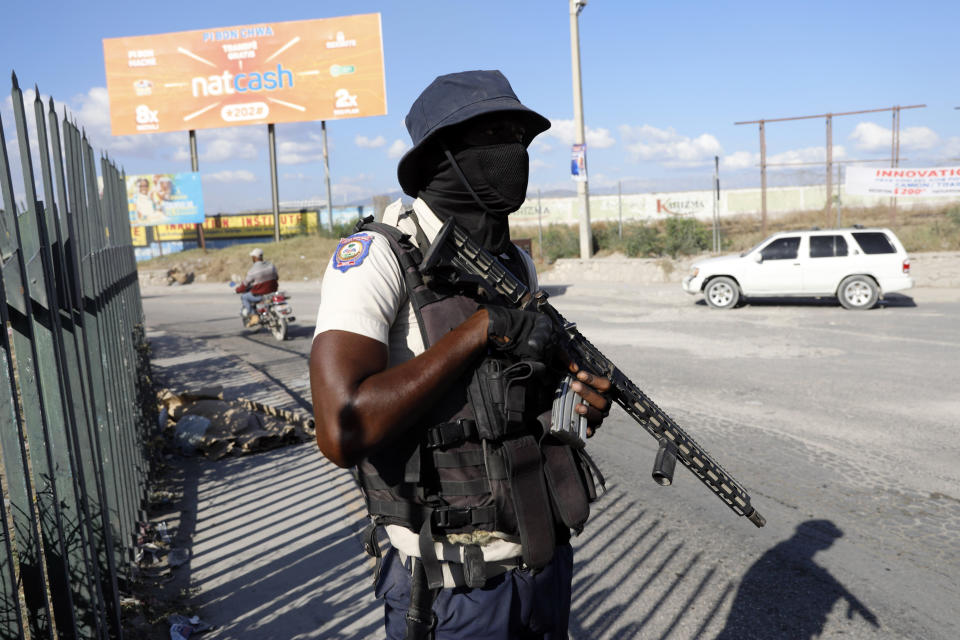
(858, 292)
(722, 293)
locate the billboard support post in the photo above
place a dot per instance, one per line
(194, 166)
(326, 172)
(271, 135)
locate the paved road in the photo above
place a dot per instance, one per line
(840, 424)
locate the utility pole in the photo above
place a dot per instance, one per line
(894, 153)
(894, 158)
(716, 204)
(829, 165)
(326, 173)
(583, 192)
(763, 179)
(539, 225)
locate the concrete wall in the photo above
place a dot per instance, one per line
(699, 204)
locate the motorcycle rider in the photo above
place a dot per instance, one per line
(261, 279)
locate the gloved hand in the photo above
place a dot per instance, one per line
(526, 334)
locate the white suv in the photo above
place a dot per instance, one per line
(856, 265)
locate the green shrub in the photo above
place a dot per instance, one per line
(606, 237)
(561, 241)
(685, 236)
(640, 240)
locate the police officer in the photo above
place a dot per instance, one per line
(440, 394)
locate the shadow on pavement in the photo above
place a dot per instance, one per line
(785, 594)
(276, 549)
(637, 576)
(891, 300)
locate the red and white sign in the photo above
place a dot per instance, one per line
(900, 182)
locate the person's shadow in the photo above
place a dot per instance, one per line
(785, 594)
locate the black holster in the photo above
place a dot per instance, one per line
(420, 617)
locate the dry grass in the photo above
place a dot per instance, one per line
(305, 257)
(919, 229)
(299, 258)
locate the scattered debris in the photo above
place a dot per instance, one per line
(178, 276)
(182, 627)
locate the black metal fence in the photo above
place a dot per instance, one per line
(74, 384)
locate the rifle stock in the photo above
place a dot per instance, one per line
(465, 261)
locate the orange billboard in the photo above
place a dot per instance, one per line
(261, 73)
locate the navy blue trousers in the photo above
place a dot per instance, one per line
(514, 606)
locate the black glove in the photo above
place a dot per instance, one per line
(526, 334)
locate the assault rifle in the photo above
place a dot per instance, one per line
(455, 257)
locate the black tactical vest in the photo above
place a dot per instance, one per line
(478, 459)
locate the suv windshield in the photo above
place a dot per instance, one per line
(754, 247)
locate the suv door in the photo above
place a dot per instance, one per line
(779, 271)
(825, 263)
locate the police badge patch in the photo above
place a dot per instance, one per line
(351, 251)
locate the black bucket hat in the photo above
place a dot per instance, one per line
(450, 100)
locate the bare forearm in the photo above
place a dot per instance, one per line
(354, 419)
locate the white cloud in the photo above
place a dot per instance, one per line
(870, 136)
(537, 163)
(369, 143)
(230, 176)
(565, 131)
(220, 149)
(951, 148)
(792, 158)
(540, 145)
(397, 149)
(289, 152)
(668, 147)
(806, 154)
(740, 160)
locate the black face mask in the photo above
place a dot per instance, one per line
(491, 183)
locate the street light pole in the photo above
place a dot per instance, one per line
(583, 193)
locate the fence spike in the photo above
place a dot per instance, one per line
(52, 110)
(36, 92)
(16, 85)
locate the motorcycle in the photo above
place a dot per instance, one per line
(273, 312)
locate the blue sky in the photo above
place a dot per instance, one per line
(663, 84)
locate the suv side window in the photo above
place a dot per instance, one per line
(827, 246)
(781, 249)
(873, 242)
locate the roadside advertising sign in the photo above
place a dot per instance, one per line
(241, 226)
(260, 73)
(931, 181)
(165, 198)
(578, 163)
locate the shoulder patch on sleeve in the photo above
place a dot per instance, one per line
(351, 251)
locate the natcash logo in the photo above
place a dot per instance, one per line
(228, 83)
